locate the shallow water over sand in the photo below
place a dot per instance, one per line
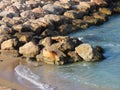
(102, 75)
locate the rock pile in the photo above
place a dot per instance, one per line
(35, 28)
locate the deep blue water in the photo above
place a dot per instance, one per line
(104, 75)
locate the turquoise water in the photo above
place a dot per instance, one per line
(104, 75)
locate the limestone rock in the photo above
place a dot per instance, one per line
(29, 49)
(9, 44)
(88, 53)
(85, 51)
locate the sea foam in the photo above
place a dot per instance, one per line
(27, 74)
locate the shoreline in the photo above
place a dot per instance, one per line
(9, 63)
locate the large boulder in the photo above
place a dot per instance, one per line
(29, 49)
(9, 44)
(88, 53)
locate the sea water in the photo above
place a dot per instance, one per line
(104, 75)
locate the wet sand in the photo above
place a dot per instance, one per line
(7, 81)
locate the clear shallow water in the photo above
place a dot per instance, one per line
(104, 75)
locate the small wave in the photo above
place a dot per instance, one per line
(27, 74)
(80, 38)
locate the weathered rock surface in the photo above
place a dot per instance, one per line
(29, 49)
(27, 28)
(88, 53)
(9, 44)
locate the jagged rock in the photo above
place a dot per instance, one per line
(46, 42)
(100, 2)
(74, 56)
(74, 14)
(101, 17)
(9, 44)
(65, 43)
(27, 14)
(52, 9)
(64, 1)
(61, 4)
(29, 49)
(3, 38)
(88, 53)
(65, 29)
(48, 32)
(90, 20)
(79, 24)
(24, 36)
(116, 10)
(85, 51)
(53, 56)
(105, 11)
(5, 30)
(21, 28)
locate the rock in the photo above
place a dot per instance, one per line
(5, 30)
(85, 51)
(100, 17)
(21, 28)
(46, 42)
(48, 32)
(74, 14)
(65, 44)
(85, 4)
(27, 14)
(74, 56)
(52, 9)
(66, 6)
(12, 9)
(24, 36)
(100, 2)
(29, 49)
(116, 10)
(9, 44)
(65, 29)
(88, 53)
(90, 20)
(79, 24)
(53, 56)
(97, 55)
(64, 1)
(33, 3)
(105, 11)
(99, 49)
